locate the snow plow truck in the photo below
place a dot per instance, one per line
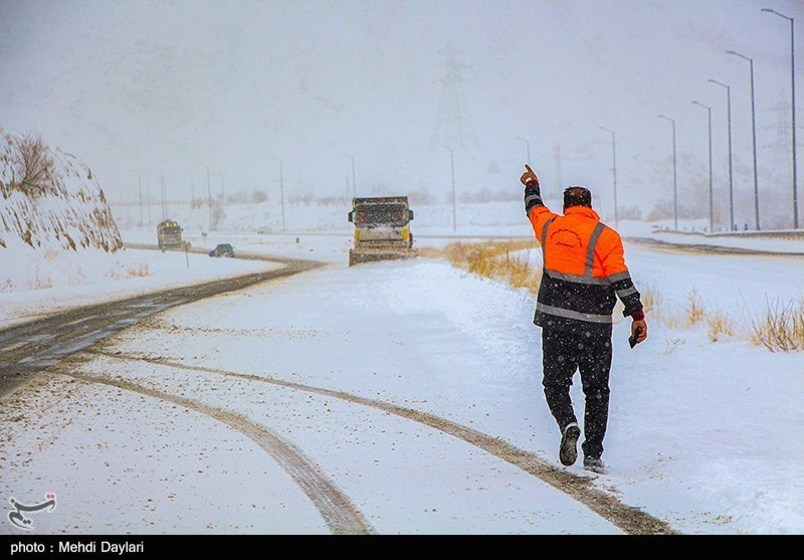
(168, 234)
(382, 229)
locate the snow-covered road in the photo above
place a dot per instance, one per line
(694, 435)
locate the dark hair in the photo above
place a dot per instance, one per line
(577, 196)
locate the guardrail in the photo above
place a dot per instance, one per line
(794, 234)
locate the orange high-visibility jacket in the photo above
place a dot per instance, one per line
(584, 267)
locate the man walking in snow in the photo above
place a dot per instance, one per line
(584, 267)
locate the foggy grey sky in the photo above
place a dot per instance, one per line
(135, 86)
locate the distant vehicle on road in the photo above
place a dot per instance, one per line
(222, 250)
(168, 235)
(264, 229)
(382, 229)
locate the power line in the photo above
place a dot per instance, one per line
(453, 125)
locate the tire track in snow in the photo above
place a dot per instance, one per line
(339, 513)
(629, 519)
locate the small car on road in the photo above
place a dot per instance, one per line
(222, 250)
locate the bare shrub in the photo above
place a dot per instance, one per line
(695, 310)
(629, 213)
(332, 201)
(305, 198)
(139, 270)
(651, 301)
(781, 327)
(258, 197)
(719, 326)
(421, 196)
(41, 280)
(495, 261)
(218, 214)
(33, 168)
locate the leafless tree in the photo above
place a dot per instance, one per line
(34, 170)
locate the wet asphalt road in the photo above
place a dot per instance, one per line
(31, 347)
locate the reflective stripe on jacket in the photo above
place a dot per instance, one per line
(584, 267)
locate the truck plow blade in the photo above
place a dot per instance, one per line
(371, 255)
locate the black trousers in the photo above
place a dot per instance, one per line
(563, 354)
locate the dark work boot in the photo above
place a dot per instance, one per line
(568, 453)
(594, 464)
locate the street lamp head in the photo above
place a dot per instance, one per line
(770, 11)
(740, 55)
(701, 104)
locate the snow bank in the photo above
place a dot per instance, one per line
(134, 273)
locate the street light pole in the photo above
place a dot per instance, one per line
(148, 196)
(223, 192)
(675, 174)
(754, 134)
(164, 203)
(452, 169)
(731, 173)
(527, 144)
(209, 199)
(711, 193)
(793, 93)
(557, 149)
(614, 172)
(139, 182)
(281, 191)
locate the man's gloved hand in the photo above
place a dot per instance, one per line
(529, 178)
(639, 330)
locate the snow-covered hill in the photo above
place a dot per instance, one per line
(54, 218)
(56, 202)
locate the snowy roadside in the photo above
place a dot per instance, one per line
(141, 272)
(793, 245)
(739, 287)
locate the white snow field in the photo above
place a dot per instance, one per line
(93, 276)
(706, 436)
